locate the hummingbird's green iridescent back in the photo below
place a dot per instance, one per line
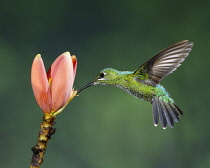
(143, 83)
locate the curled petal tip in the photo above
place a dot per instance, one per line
(66, 53)
(74, 62)
(74, 58)
(38, 56)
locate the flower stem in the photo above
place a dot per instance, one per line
(44, 135)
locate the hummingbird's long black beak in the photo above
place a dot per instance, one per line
(86, 86)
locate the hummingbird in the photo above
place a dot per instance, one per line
(144, 82)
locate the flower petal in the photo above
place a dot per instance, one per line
(62, 75)
(74, 62)
(40, 84)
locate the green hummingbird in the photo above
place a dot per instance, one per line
(143, 83)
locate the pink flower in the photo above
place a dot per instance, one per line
(53, 90)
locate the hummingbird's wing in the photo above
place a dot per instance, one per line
(164, 63)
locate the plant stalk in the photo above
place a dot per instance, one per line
(44, 136)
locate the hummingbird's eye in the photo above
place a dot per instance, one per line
(102, 75)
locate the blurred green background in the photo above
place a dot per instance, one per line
(105, 127)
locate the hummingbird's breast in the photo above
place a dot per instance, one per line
(139, 90)
(143, 95)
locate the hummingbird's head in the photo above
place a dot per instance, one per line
(107, 76)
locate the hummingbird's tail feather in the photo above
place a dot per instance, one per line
(166, 111)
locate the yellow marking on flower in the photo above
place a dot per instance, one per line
(73, 94)
(50, 82)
